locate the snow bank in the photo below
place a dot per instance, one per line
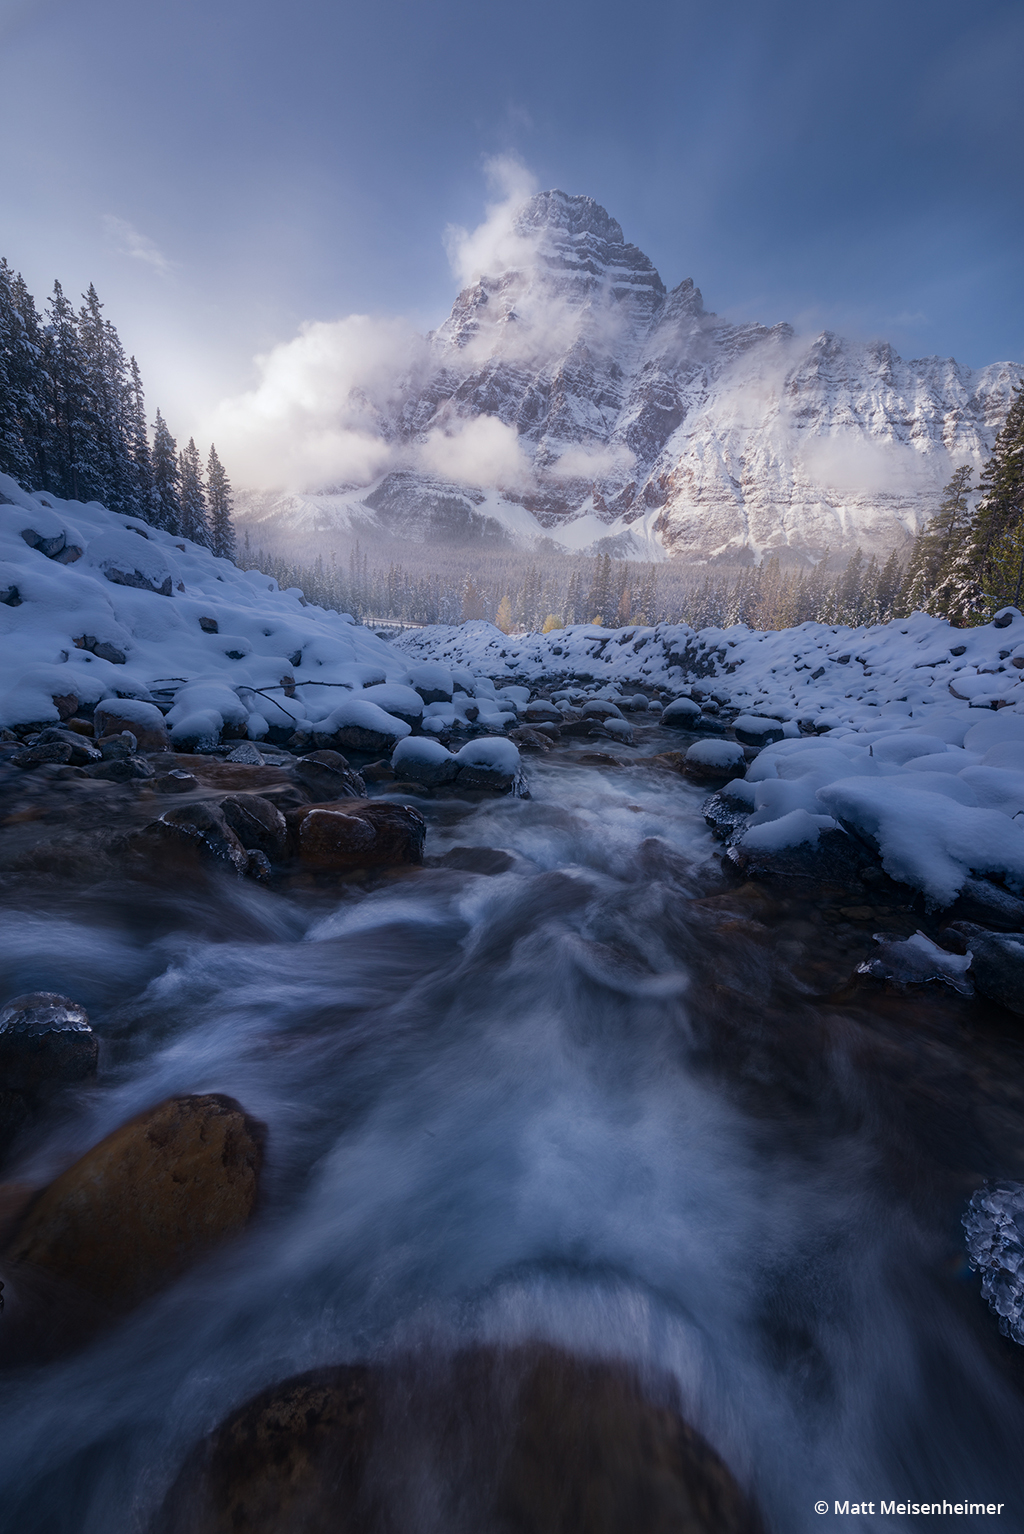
(98, 606)
(909, 734)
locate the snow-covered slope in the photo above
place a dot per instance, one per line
(661, 425)
(95, 605)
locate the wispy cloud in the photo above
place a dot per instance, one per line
(131, 242)
(494, 245)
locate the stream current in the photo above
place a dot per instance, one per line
(603, 1097)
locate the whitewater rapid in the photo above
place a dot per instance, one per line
(574, 1100)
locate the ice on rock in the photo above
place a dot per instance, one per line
(994, 1226)
(917, 960)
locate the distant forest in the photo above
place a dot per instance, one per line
(73, 421)
(520, 592)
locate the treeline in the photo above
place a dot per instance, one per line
(967, 563)
(517, 594)
(73, 421)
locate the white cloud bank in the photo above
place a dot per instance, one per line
(321, 415)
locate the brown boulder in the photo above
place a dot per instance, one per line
(291, 1459)
(525, 1440)
(192, 833)
(358, 833)
(146, 725)
(328, 776)
(137, 1209)
(258, 824)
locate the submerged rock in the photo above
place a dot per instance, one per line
(527, 1439)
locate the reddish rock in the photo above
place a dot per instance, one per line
(146, 725)
(525, 1440)
(138, 1208)
(258, 824)
(358, 833)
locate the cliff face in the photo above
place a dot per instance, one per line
(645, 419)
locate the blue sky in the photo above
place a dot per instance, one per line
(225, 171)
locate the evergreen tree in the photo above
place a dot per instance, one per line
(850, 591)
(144, 493)
(106, 372)
(888, 589)
(1001, 506)
(76, 471)
(15, 458)
(938, 544)
(194, 518)
(166, 479)
(222, 531)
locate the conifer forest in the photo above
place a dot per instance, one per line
(73, 421)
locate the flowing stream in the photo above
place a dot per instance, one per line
(596, 1098)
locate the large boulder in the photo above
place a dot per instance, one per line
(128, 1217)
(45, 1039)
(190, 834)
(357, 833)
(359, 725)
(757, 730)
(433, 682)
(681, 714)
(714, 761)
(130, 558)
(528, 1440)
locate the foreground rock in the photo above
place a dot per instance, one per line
(45, 1043)
(528, 1440)
(126, 1219)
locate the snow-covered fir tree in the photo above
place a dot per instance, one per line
(195, 523)
(218, 495)
(938, 543)
(166, 479)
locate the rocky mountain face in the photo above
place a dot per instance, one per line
(644, 420)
